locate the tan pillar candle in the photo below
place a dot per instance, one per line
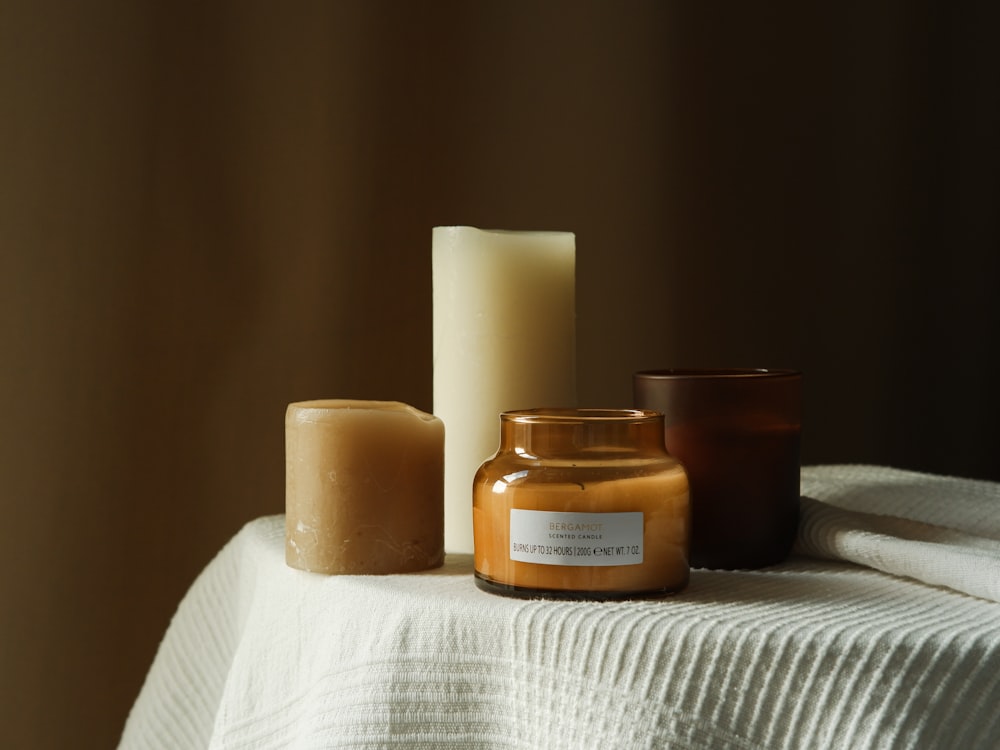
(364, 487)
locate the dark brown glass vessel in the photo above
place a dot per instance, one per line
(737, 432)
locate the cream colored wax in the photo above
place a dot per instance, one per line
(504, 339)
(363, 487)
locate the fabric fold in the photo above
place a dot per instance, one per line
(942, 531)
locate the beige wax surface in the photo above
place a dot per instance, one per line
(364, 487)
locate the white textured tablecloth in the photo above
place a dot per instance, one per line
(813, 653)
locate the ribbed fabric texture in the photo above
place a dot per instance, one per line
(810, 654)
(939, 530)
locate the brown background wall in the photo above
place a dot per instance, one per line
(210, 210)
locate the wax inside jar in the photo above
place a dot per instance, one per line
(570, 494)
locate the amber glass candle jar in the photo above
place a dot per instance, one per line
(581, 504)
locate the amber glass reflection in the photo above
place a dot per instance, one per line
(582, 461)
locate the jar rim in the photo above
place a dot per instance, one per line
(711, 373)
(580, 416)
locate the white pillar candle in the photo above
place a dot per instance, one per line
(504, 339)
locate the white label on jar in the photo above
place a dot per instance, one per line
(553, 538)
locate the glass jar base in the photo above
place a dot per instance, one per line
(524, 592)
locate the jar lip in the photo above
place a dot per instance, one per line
(718, 372)
(580, 416)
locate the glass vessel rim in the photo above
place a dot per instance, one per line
(708, 373)
(580, 416)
